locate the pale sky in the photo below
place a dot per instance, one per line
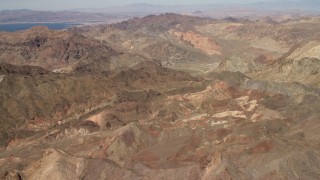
(75, 4)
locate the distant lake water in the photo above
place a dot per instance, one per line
(23, 26)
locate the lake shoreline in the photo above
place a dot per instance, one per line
(50, 22)
(13, 27)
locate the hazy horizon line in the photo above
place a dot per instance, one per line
(225, 3)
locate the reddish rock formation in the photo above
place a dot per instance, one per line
(206, 44)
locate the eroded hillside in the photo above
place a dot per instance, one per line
(162, 97)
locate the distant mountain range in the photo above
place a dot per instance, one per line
(151, 8)
(115, 13)
(311, 6)
(301, 5)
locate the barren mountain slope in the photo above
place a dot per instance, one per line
(201, 45)
(198, 130)
(50, 49)
(124, 110)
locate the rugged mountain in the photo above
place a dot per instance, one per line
(210, 129)
(200, 45)
(35, 96)
(162, 97)
(50, 49)
(60, 51)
